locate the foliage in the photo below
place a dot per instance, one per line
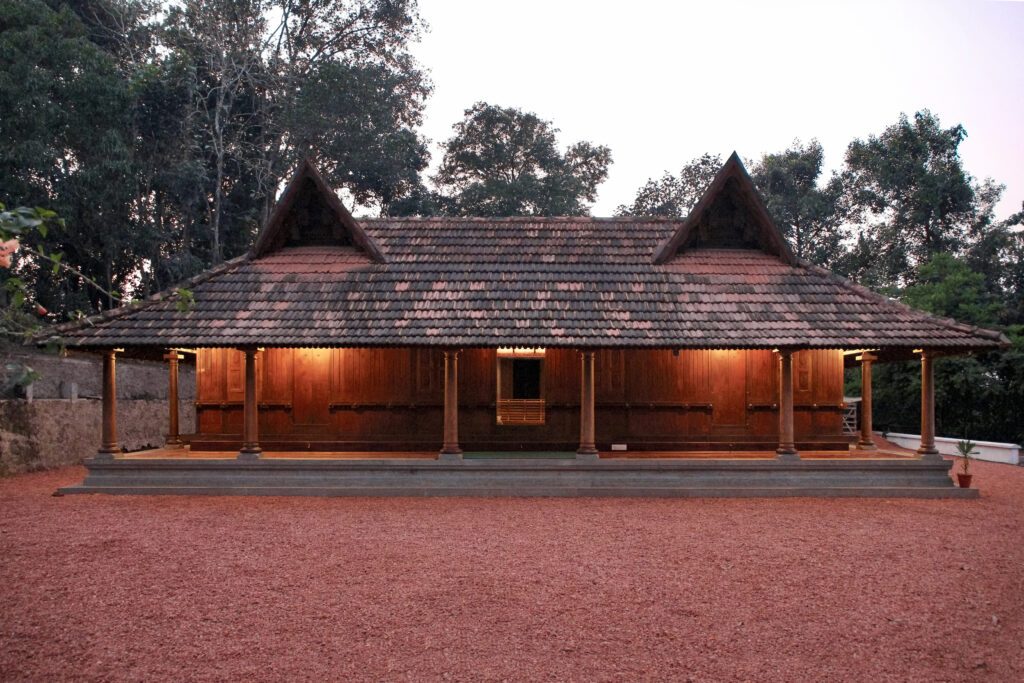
(20, 375)
(977, 395)
(65, 143)
(674, 196)
(948, 287)
(162, 131)
(809, 216)
(909, 191)
(505, 162)
(965, 448)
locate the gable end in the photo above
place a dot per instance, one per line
(730, 215)
(310, 214)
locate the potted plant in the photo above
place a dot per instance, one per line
(965, 447)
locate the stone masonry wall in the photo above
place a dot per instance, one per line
(135, 379)
(45, 433)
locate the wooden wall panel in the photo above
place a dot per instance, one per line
(609, 376)
(695, 365)
(828, 391)
(277, 376)
(210, 375)
(762, 377)
(762, 393)
(210, 382)
(428, 368)
(235, 362)
(562, 377)
(477, 376)
(729, 389)
(311, 394)
(395, 395)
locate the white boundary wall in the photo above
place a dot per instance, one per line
(992, 451)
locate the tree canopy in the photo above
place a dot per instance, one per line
(809, 216)
(163, 133)
(674, 195)
(506, 162)
(908, 190)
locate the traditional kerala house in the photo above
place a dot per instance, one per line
(345, 356)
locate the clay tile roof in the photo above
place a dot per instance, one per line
(550, 282)
(537, 282)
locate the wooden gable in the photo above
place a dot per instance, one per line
(310, 214)
(730, 215)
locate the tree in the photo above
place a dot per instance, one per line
(911, 193)
(65, 127)
(976, 396)
(809, 216)
(273, 81)
(998, 254)
(674, 195)
(505, 162)
(161, 132)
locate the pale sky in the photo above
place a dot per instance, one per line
(663, 82)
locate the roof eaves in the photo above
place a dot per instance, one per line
(171, 294)
(1000, 339)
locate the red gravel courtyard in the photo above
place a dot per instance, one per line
(218, 588)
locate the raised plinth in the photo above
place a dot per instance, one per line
(524, 477)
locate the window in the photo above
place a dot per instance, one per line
(520, 386)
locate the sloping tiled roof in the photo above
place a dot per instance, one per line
(578, 282)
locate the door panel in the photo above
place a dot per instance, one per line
(311, 388)
(728, 388)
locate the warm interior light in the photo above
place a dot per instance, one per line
(520, 352)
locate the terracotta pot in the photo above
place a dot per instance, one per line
(964, 480)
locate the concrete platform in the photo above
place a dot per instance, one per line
(617, 477)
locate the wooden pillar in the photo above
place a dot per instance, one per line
(866, 442)
(109, 448)
(787, 445)
(927, 451)
(587, 449)
(250, 410)
(450, 450)
(173, 437)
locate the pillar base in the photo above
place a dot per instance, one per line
(929, 454)
(866, 446)
(450, 455)
(787, 455)
(174, 443)
(108, 454)
(588, 454)
(250, 454)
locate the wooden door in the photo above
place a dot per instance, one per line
(311, 395)
(728, 389)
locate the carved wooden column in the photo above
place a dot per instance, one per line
(587, 449)
(927, 451)
(866, 442)
(787, 446)
(109, 448)
(250, 411)
(173, 437)
(450, 450)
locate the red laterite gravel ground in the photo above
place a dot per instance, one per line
(127, 587)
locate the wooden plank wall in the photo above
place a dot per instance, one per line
(392, 398)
